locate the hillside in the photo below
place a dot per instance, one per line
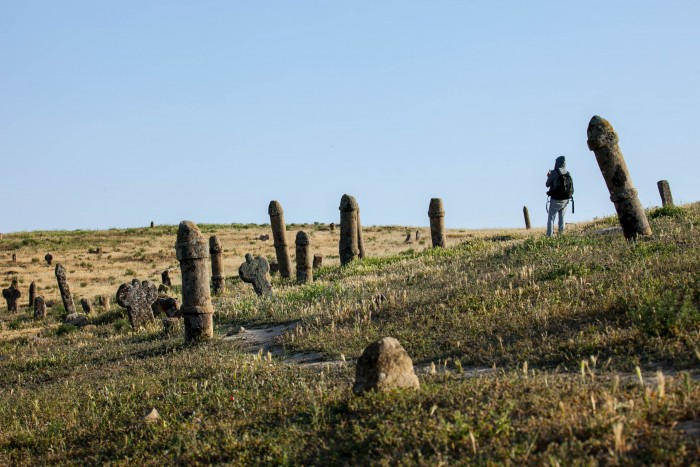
(576, 349)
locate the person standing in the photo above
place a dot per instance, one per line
(561, 190)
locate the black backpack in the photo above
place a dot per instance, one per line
(563, 187)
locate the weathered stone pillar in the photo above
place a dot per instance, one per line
(417, 235)
(360, 240)
(436, 212)
(12, 294)
(39, 308)
(152, 224)
(103, 301)
(14, 257)
(318, 261)
(256, 271)
(32, 293)
(665, 192)
(602, 140)
(279, 235)
(526, 213)
(218, 280)
(165, 278)
(64, 289)
(48, 258)
(193, 255)
(332, 226)
(86, 305)
(304, 267)
(348, 243)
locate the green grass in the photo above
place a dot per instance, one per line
(563, 324)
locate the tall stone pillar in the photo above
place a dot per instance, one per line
(192, 253)
(304, 267)
(436, 212)
(218, 280)
(603, 141)
(279, 235)
(64, 289)
(360, 240)
(348, 243)
(665, 192)
(526, 213)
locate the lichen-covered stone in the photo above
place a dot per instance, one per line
(665, 192)
(303, 256)
(76, 319)
(32, 293)
(348, 243)
(603, 141)
(48, 258)
(218, 280)
(256, 271)
(11, 295)
(86, 305)
(137, 298)
(318, 261)
(436, 213)
(103, 301)
(165, 278)
(168, 306)
(193, 254)
(384, 365)
(63, 287)
(39, 308)
(279, 236)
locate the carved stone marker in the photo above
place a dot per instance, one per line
(168, 306)
(274, 267)
(196, 309)
(218, 280)
(665, 192)
(87, 306)
(165, 278)
(526, 214)
(360, 239)
(152, 224)
(103, 301)
(332, 226)
(264, 238)
(304, 267)
(436, 212)
(39, 308)
(255, 271)
(602, 140)
(417, 235)
(32, 293)
(14, 257)
(408, 238)
(48, 258)
(279, 236)
(11, 295)
(64, 289)
(137, 298)
(348, 243)
(318, 261)
(384, 365)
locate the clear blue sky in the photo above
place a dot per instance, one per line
(116, 113)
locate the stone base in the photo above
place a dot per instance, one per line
(198, 327)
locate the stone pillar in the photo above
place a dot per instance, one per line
(665, 192)
(32, 293)
(417, 235)
(48, 258)
(348, 243)
(360, 241)
(103, 301)
(279, 235)
(332, 226)
(14, 257)
(193, 255)
(318, 261)
(65, 290)
(12, 294)
(86, 305)
(218, 280)
(304, 267)
(436, 212)
(39, 308)
(152, 224)
(602, 140)
(526, 213)
(165, 278)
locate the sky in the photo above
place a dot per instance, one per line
(119, 113)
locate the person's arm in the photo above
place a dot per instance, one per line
(550, 178)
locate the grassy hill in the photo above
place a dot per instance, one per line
(577, 349)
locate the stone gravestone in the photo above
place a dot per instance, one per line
(218, 280)
(48, 258)
(665, 192)
(137, 298)
(168, 306)
(193, 254)
(318, 261)
(348, 243)
(153, 224)
(14, 257)
(255, 271)
(526, 214)
(103, 301)
(274, 267)
(87, 306)
(436, 212)
(32, 293)
(64, 289)
(417, 235)
(304, 267)
(279, 236)
(603, 141)
(408, 238)
(165, 278)
(332, 226)
(384, 365)
(39, 308)
(11, 295)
